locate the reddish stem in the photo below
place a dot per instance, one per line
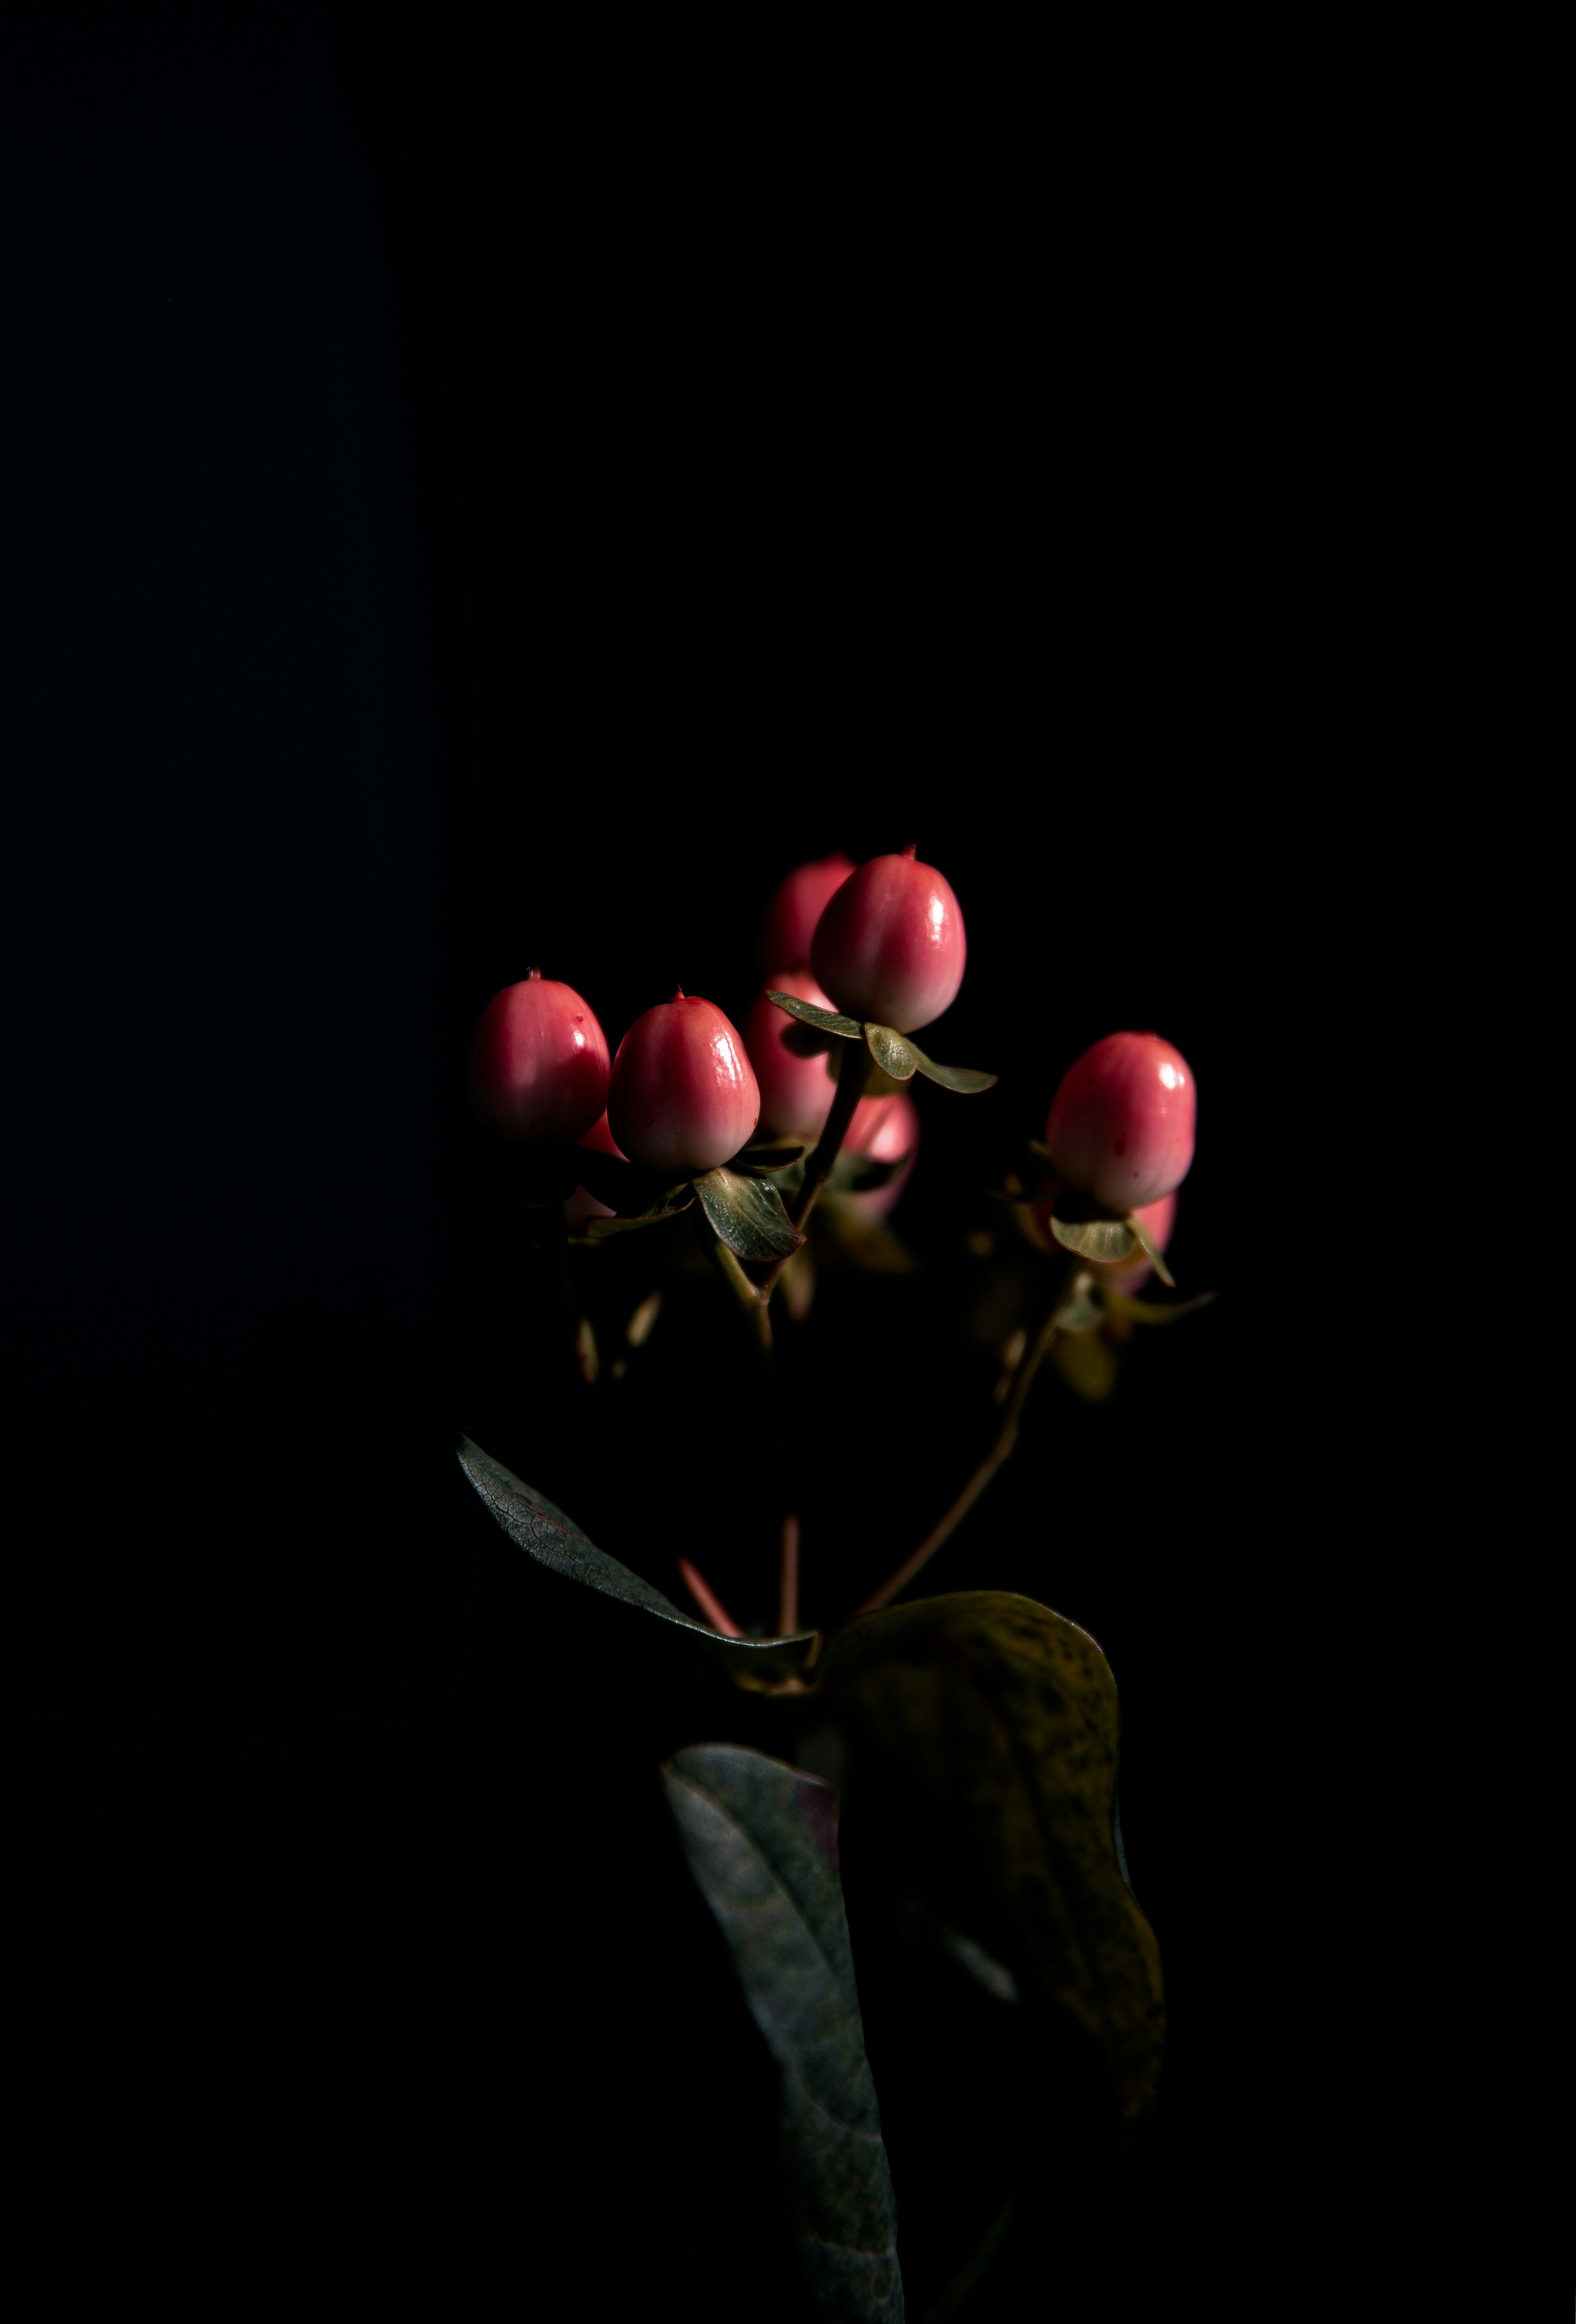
(710, 1605)
(787, 1603)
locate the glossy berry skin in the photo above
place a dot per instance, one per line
(539, 1063)
(889, 947)
(884, 1129)
(796, 1093)
(683, 1095)
(794, 910)
(1121, 1126)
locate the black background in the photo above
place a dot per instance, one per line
(477, 512)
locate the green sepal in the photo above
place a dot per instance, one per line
(825, 1021)
(764, 1161)
(760, 1841)
(1143, 1311)
(1106, 1241)
(1148, 1247)
(1085, 1311)
(537, 1526)
(747, 1214)
(599, 1229)
(900, 1058)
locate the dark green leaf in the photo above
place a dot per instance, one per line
(1104, 1240)
(826, 1020)
(1006, 1715)
(1087, 1362)
(760, 1841)
(543, 1531)
(1143, 1311)
(747, 1214)
(1146, 1244)
(598, 1230)
(893, 1052)
(964, 1079)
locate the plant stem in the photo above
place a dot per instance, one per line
(1035, 1347)
(710, 1604)
(727, 1266)
(853, 1072)
(787, 1602)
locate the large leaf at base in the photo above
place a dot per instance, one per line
(759, 1838)
(747, 1214)
(1007, 1715)
(542, 1530)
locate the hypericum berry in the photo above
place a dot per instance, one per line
(539, 1063)
(683, 1095)
(1130, 1275)
(794, 910)
(580, 1205)
(796, 1093)
(884, 1129)
(890, 945)
(1121, 1126)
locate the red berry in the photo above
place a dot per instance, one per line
(580, 1205)
(538, 1061)
(683, 1095)
(1121, 1126)
(796, 1093)
(885, 1130)
(794, 910)
(890, 945)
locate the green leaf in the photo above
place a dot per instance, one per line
(893, 1052)
(847, 1029)
(1104, 1240)
(1087, 1362)
(599, 1229)
(747, 1214)
(1085, 1311)
(764, 1161)
(1143, 1311)
(760, 1842)
(533, 1523)
(1006, 1716)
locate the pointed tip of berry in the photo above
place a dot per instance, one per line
(533, 976)
(679, 993)
(911, 850)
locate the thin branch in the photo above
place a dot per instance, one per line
(752, 1304)
(853, 1072)
(1029, 1363)
(710, 1605)
(787, 1602)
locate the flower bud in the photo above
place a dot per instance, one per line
(539, 1063)
(580, 1205)
(1121, 1126)
(890, 945)
(884, 1129)
(796, 1093)
(683, 1095)
(794, 910)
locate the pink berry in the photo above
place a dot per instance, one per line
(581, 1206)
(889, 947)
(794, 910)
(1121, 1126)
(885, 1130)
(796, 1093)
(538, 1061)
(683, 1095)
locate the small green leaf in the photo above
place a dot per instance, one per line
(1084, 1312)
(963, 1079)
(893, 1052)
(1104, 1240)
(1143, 1311)
(1087, 1362)
(747, 1214)
(847, 1029)
(599, 1229)
(1151, 1253)
(1005, 1716)
(533, 1523)
(760, 1841)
